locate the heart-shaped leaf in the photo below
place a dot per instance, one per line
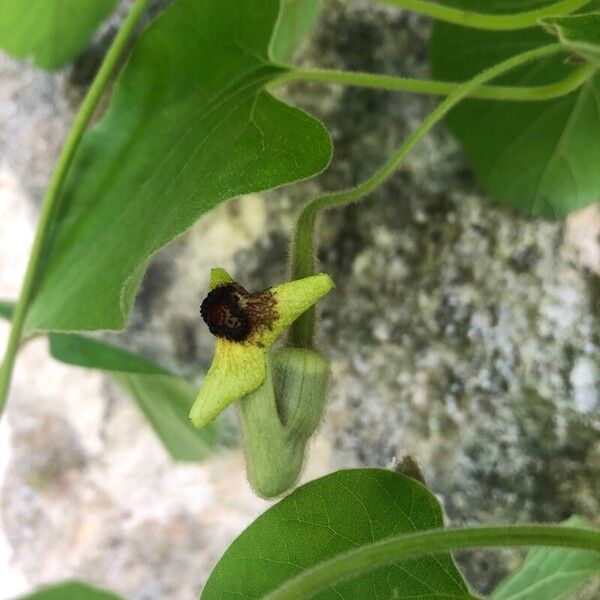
(539, 157)
(189, 126)
(550, 573)
(332, 515)
(579, 33)
(166, 402)
(51, 32)
(95, 354)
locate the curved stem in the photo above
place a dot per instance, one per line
(52, 198)
(440, 88)
(465, 18)
(403, 547)
(302, 256)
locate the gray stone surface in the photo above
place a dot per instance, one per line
(459, 332)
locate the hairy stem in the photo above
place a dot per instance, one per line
(403, 547)
(302, 253)
(465, 18)
(441, 88)
(52, 198)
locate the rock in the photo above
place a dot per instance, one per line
(585, 382)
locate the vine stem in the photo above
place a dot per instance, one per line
(465, 18)
(440, 88)
(403, 547)
(52, 198)
(302, 252)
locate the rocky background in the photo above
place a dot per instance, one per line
(459, 332)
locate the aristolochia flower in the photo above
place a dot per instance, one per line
(246, 325)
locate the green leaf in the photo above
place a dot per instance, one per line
(538, 157)
(550, 573)
(51, 32)
(166, 402)
(579, 33)
(189, 126)
(72, 590)
(332, 515)
(165, 399)
(295, 21)
(6, 309)
(96, 354)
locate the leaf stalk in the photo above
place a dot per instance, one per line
(565, 86)
(302, 251)
(403, 547)
(475, 20)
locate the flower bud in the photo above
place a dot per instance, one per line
(279, 417)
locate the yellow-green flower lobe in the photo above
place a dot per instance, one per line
(245, 325)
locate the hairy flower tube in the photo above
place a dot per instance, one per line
(246, 325)
(280, 416)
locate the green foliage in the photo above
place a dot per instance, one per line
(72, 590)
(332, 515)
(497, 7)
(95, 354)
(579, 33)
(166, 403)
(164, 398)
(189, 126)
(550, 573)
(295, 20)
(51, 32)
(538, 157)
(6, 309)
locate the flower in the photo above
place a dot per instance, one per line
(246, 325)
(280, 416)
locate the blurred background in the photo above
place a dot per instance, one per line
(459, 332)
